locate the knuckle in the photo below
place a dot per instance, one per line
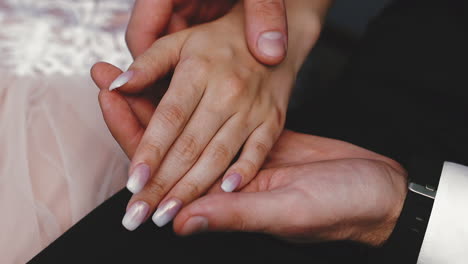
(249, 167)
(261, 148)
(239, 220)
(192, 189)
(195, 64)
(156, 189)
(154, 149)
(173, 116)
(226, 52)
(219, 154)
(187, 148)
(196, 69)
(235, 87)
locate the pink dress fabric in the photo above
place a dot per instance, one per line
(57, 159)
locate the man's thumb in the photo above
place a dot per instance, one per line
(267, 30)
(230, 212)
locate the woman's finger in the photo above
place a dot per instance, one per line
(151, 66)
(180, 158)
(198, 132)
(148, 21)
(168, 122)
(250, 161)
(267, 30)
(209, 167)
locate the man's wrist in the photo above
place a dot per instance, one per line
(377, 234)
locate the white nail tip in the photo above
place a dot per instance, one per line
(167, 212)
(121, 80)
(135, 215)
(139, 178)
(231, 183)
(133, 185)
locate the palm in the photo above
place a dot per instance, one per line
(331, 181)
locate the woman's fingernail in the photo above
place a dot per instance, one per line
(138, 178)
(231, 182)
(135, 215)
(167, 211)
(195, 225)
(272, 43)
(121, 80)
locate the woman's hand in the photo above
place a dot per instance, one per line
(266, 28)
(311, 189)
(220, 99)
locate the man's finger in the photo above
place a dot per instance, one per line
(267, 30)
(231, 212)
(148, 21)
(126, 117)
(116, 110)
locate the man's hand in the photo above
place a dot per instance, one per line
(311, 189)
(266, 26)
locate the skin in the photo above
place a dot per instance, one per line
(220, 99)
(310, 189)
(334, 190)
(152, 19)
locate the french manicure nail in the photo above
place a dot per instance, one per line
(272, 43)
(194, 225)
(231, 182)
(167, 211)
(121, 80)
(135, 215)
(138, 178)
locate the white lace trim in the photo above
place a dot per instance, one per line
(62, 36)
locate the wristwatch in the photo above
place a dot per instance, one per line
(404, 244)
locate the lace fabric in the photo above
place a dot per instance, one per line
(62, 36)
(58, 160)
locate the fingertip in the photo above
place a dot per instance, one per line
(231, 182)
(194, 225)
(121, 80)
(180, 220)
(103, 74)
(267, 30)
(199, 207)
(271, 47)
